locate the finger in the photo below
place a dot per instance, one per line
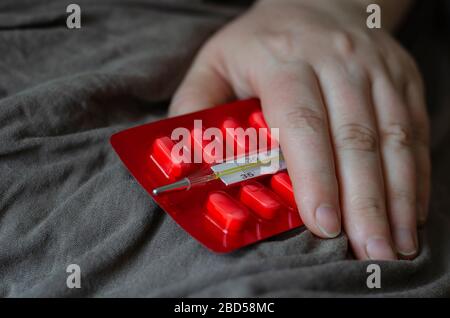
(399, 63)
(416, 101)
(396, 141)
(203, 87)
(291, 100)
(355, 138)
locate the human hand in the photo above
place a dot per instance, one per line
(350, 107)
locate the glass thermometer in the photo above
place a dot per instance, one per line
(231, 171)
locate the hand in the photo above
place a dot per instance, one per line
(350, 107)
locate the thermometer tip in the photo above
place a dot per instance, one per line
(183, 184)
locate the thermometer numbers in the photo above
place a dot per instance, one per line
(247, 175)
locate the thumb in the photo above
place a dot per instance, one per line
(204, 86)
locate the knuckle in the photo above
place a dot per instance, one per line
(404, 196)
(284, 78)
(397, 134)
(283, 45)
(326, 177)
(305, 118)
(358, 75)
(344, 43)
(356, 137)
(368, 207)
(289, 77)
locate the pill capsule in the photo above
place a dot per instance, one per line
(209, 150)
(226, 212)
(281, 184)
(229, 127)
(162, 155)
(260, 199)
(256, 120)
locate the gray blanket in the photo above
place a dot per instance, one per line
(65, 198)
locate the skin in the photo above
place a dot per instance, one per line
(349, 102)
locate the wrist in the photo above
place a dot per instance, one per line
(352, 11)
(348, 12)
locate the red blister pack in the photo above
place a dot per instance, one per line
(223, 217)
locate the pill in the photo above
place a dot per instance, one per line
(260, 199)
(172, 166)
(207, 148)
(229, 128)
(226, 212)
(256, 120)
(282, 185)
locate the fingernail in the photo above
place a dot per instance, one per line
(327, 220)
(378, 248)
(405, 241)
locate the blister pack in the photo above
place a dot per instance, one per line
(219, 173)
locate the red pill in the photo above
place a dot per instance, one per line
(282, 185)
(209, 151)
(260, 199)
(256, 120)
(162, 155)
(226, 212)
(229, 127)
